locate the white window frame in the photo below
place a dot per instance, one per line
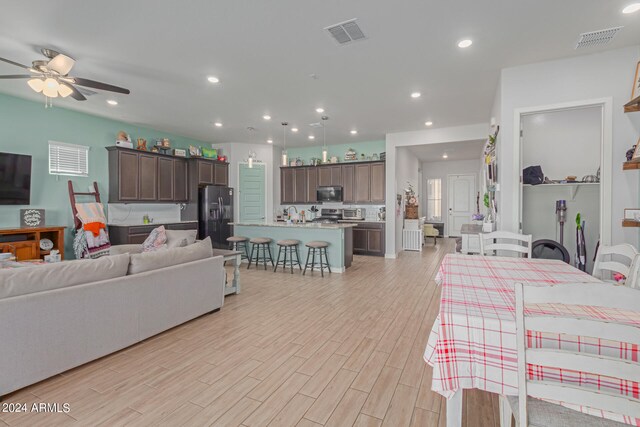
(431, 199)
(78, 166)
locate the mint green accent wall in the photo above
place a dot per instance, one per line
(306, 153)
(26, 127)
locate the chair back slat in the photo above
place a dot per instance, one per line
(595, 296)
(489, 243)
(615, 259)
(576, 361)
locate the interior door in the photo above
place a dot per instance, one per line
(251, 193)
(461, 193)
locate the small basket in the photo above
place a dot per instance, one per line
(411, 212)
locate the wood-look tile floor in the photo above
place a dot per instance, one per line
(343, 350)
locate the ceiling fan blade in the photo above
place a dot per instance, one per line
(97, 85)
(61, 64)
(14, 63)
(75, 93)
(16, 76)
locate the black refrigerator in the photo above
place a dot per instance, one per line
(215, 212)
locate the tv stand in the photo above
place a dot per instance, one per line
(24, 243)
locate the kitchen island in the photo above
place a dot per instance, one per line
(339, 237)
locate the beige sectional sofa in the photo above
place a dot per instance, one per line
(58, 316)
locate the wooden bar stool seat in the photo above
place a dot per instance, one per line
(321, 247)
(241, 244)
(290, 245)
(260, 244)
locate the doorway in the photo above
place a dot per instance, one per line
(461, 194)
(251, 193)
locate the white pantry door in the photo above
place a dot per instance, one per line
(461, 199)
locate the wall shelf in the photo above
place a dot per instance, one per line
(630, 223)
(632, 106)
(631, 165)
(572, 187)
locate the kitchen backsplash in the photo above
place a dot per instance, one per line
(371, 210)
(132, 213)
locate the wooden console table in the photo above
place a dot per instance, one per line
(24, 243)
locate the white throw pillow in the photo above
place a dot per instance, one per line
(178, 238)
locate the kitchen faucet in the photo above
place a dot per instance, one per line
(289, 210)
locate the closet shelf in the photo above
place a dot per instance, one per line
(571, 186)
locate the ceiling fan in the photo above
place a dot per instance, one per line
(52, 78)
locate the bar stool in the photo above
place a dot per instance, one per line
(239, 243)
(292, 246)
(321, 247)
(260, 244)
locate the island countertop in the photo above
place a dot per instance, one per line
(312, 225)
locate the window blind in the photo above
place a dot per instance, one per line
(68, 159)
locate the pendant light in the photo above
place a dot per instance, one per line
(324, 142)
(284, 144)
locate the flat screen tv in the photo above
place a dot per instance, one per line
(15, 179)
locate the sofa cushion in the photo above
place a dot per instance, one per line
(179, 238)
(28, 280)
(154, 260)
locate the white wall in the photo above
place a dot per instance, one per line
(393, 142)
(603, 75)
(441, 170)
(563, 142)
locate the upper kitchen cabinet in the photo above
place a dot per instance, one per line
(329, 175)
(348, 183)
(377, 182)
(298, 185)
(363, 183)
(287, 185)
(312, 184)
(211, 172)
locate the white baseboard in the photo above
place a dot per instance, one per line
(391, 256)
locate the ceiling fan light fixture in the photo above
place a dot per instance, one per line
(50, 88)
(36, 84)
(64, 90)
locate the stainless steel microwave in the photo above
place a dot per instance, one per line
(329, 194)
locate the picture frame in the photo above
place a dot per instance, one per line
(179, 152)
(632, 214)
(635, 92)
(636, 152)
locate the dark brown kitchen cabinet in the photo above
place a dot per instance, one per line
(287, 185)
(330, 176)
(368, 239)
(148, 177)
(221, 174)
(377, 182)
(205, 172)
(212, 172)
(166, 179)
(123, 176)
(300, 185)
(312, 184)
(363, 183)
(348, 184)
(180, 180)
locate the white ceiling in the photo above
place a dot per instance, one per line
(264, 52)
(462, 150)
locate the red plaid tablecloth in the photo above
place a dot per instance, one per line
(473, 342)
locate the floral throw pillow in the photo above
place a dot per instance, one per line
(157, 240)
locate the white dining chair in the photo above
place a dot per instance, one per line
(516, 244)
(633, 279)
(616, 259)
(527, 407)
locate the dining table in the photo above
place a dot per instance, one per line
(472, 343)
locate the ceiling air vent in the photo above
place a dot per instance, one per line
(595, 38)
(346, 32)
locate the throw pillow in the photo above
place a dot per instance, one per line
(156, 240)
(178, 238)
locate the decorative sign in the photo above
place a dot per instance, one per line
(31, 217)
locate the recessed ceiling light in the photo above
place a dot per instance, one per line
(266, 117)
(319, 110)
(465, 43)
(294, 129)
(632, 8)
(218, 124)
(415, 95)
(354, 132)
(269, 141)
(429, 123)
(445, 156)
(311, 137)
(112, 102)
(213, 79)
